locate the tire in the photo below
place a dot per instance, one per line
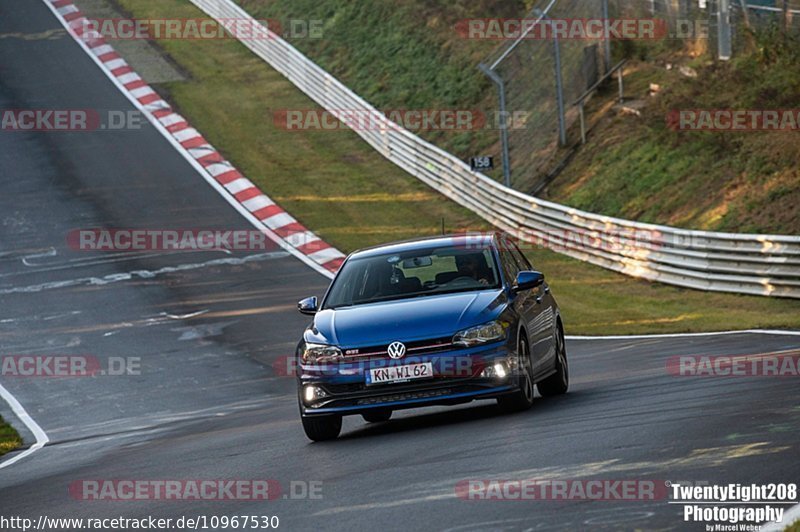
(558, 383)
(377, 416)
(522, 399)
(321, 428)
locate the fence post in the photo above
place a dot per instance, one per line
(785, 18)
(562, 128)
(501, 90)
(606, 37)
(724, 30)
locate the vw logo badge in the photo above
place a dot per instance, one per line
(397, 350)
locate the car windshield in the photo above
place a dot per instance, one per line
(410, 274)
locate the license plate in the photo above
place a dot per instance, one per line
(400, 373)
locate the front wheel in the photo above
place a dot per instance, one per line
(558, 383)
(321, 428)
(523, 398)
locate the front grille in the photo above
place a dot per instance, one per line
(357, 387)
(425, 394)
(428, 391)
(419, 347)
(345, 388)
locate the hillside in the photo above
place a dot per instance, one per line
(633, 166)
(744, 181)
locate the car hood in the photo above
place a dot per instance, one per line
(406, 319)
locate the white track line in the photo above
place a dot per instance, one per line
(776, 332)
(27, 420)
(185, 153)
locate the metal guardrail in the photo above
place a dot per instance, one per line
(724, 262)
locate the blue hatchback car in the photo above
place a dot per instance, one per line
(438, 321)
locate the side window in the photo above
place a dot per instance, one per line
(510, 266)
(523, 261)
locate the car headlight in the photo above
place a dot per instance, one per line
(488, 332)
(320, 353)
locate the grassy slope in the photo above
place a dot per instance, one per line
(731, 181)
(405, 53)
(335, 184)
(9, 439)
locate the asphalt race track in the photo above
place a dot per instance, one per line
(210, 327)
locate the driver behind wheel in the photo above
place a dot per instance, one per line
(474, 265)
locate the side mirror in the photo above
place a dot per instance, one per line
(308, 305)
(527, 280)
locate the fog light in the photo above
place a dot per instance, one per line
(312, 394)
(498, 370)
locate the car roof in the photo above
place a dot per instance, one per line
(485, 239)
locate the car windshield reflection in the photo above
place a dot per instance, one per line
(420, 273)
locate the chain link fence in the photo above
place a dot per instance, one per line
(541, 73)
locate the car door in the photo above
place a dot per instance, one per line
(543, 324)
(527, 309)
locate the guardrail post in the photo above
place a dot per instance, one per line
(501, 90)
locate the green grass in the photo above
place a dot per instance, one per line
(340, 188)
(407, 54)
(638, 168)
(9, 439)
(403, 54)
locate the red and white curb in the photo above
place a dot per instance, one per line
(256, 206)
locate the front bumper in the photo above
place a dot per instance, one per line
(458, 377)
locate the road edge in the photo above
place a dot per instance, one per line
(656, 336)
(41, 437)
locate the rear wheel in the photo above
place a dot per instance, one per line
(558, 383)
(523, 398)
(321, 428)
(377, 416)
